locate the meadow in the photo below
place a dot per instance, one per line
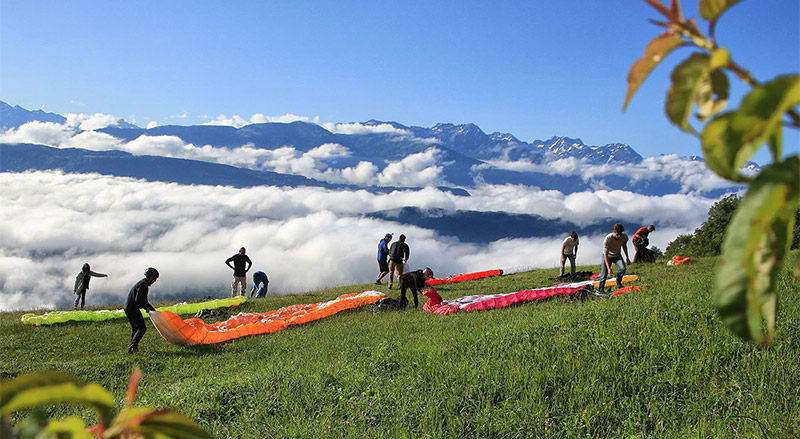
(651, 364)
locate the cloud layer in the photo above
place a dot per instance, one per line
(304, 238)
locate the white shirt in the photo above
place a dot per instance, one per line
(612, 245)
(570, 246)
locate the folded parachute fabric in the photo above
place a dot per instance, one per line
(625, 290)
(54, 317)
(455, 278)
(195, 331)
(480, 302)
(678, 260)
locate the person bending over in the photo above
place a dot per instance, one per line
(613, 245)
(137, 299)
(415, 281)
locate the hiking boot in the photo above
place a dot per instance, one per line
(390, 286)
(378, 282)
(133, 349)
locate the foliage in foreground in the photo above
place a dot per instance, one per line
(41, 389)
(760, 233)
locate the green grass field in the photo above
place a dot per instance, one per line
(652, 364)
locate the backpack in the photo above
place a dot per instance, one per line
(388, 304)
(396, 251)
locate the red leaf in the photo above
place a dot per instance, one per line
(133, 386)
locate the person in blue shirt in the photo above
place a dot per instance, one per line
(260, 285)
(383, 254)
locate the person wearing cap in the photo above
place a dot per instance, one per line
(415, 281)
(383, 254)
(398, 256)
(137, 299)
(82, 284)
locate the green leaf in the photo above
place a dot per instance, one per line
(160, 423)
(173, 425)
(690, 80)
(712, 96)
(47, 388)
(73, 426)
(654, 53)
(762, 111)
(720, 58)
(731, 139)
(712, 9)
(756, 243)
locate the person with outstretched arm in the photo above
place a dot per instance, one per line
(82, 284)
(137, 300)
(613, 245)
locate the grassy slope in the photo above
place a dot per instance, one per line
(652, 364)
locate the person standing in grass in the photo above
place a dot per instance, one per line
(241, 265)
(137, 299)
(383, 254)
(82, 284)
(569, 250)
(613, 245)
(398, 256)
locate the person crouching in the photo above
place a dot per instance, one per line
(415, 281)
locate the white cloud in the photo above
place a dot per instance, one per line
(238, 121)
(235, 121)
(692, 175)
(304, 238)
(88, 122)
(359, 128)
(43, 133)
(286, 118)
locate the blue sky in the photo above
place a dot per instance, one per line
(531, 68)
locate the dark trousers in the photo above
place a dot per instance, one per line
(639, 244)
(138, 328)
(80, 298)
(408, 285)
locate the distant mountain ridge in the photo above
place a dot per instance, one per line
(467, 156)
(13, 117)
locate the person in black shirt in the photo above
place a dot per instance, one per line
(241, 265)
(415, 281)
(137, 299)
(398, 256)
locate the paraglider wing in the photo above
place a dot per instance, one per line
(195, 331)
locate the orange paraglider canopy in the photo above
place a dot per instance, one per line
(195, 331)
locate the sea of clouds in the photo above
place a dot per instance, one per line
(303, 238)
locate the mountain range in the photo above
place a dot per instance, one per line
(466, 156)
